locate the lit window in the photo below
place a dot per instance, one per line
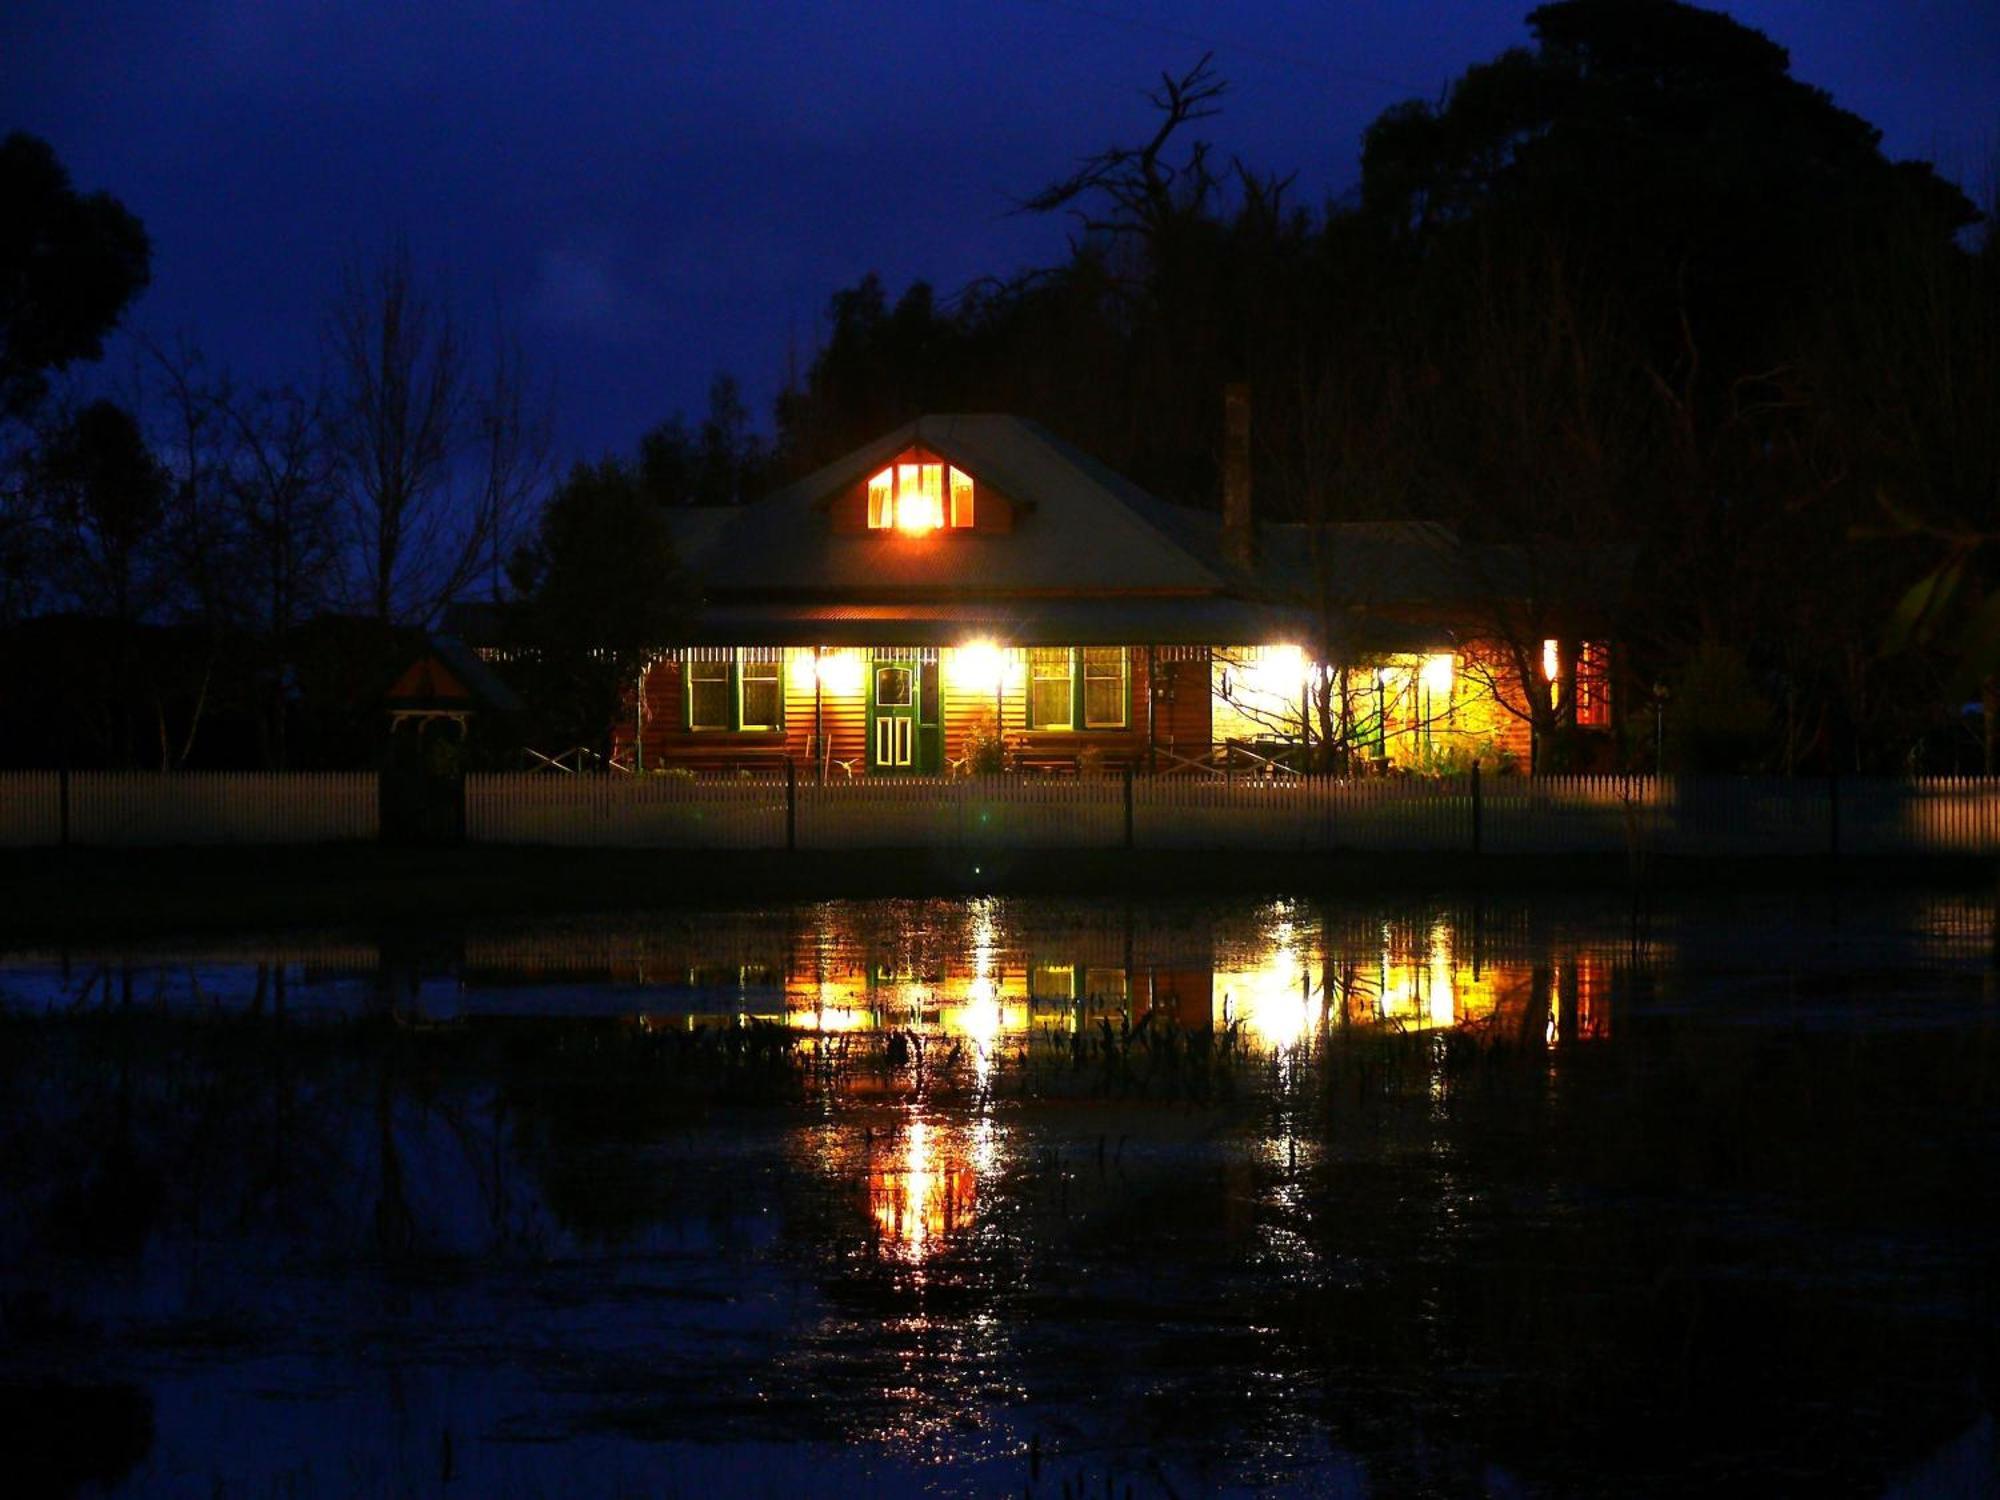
(1050, 688)
(763, 697)
(1052, 982)
(740, 689)
(1593, 684)
(1086, 688)
(911, 497)
(709, 695)
(1106, 986)
(1104, 695)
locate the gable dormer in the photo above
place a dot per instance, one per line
(921, 493)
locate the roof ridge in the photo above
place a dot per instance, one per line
(1097, 471)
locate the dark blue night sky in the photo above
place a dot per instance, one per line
(653, 192)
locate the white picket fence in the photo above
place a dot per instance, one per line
(30, 809)
(631, 812)
(127, 809)
(1733, 816)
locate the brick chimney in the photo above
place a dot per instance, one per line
(1239, 531)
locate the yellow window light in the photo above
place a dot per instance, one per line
(1551, 660)
(882, 501)
(912, 496)
(961, 498)
(919, 497)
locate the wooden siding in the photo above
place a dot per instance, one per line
(1052, 749)
(1186, 715)
(1184, 711)
(843, 716)
(669, 742)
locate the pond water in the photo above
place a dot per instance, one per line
(1516, 1196)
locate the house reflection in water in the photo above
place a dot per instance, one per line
(965, 989)
(923, 1185)
(974, 977)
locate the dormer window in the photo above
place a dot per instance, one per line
(918, 497)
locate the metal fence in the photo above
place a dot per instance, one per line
(1633, 815)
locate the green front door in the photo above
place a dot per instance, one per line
(903, 734)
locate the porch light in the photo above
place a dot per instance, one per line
(801, 672)
(978, 667)
(1437, 675)
(1551, 660)
(1277, 669)
(839, 672)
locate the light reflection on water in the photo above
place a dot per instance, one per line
(981, 974)
(924, 1188)
(956, 988)
(942, 1178)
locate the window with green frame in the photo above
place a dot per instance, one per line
(1079, 687)
(744, 690)
(1052, 982)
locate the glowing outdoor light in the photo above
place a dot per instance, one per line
(1437, 675)
(1443, 988)
(839, 673)
(800, 670)
(1551, 660)
(978, 667)
(1271, 992)
(1276, 669)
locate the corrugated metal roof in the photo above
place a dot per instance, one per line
(1211, 621)
(1204, 621)
(1092, 559)
(696, 531)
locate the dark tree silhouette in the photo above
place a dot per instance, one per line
(69, 265)
(721, 462)
(104, 499)
(600, 592)
(440, 459)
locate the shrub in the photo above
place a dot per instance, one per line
(985, 750)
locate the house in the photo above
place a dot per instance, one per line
(971, 587)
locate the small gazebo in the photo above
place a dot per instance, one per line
(446, 685)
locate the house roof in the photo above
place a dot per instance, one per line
(1114, 621)
(450, 675)
(1084, 530)
(1092, 559)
